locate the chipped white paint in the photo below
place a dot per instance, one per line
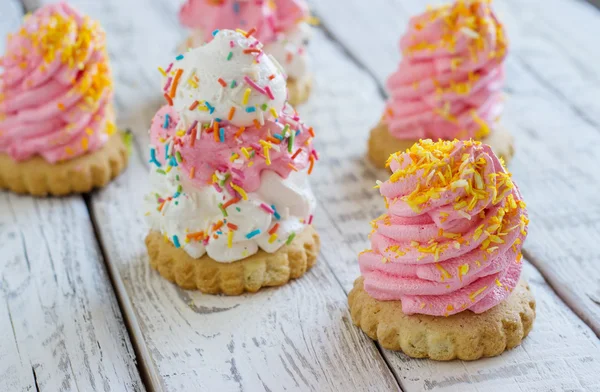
(296, 337)
(60, 325)
(299, 336)
(552, 109)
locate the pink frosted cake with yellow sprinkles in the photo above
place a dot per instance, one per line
(449, 82)
(445, 260)
(231, 208)
(57, 131)
(281, 25)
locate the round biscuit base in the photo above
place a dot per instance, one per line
(250, 274)
(38, 177)
(382, 144)
(465, 335)
(299, 90)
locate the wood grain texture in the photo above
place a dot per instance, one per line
(552, 109)
(60, 326)
(296, 337)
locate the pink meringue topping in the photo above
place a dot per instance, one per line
(452, 235)
(55, 87)
(268, 17)
(289, 13)
(238, 157)
(449, 82)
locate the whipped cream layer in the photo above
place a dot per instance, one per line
(280, 25)
(55, 87)
(225, 184)
(230, 78)
(449, 82)
(452, 234)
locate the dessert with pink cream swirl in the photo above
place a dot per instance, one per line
(449, 82)
(57, 131)
(450, 240)
(230, 157)
(55, 88)
(280, 25)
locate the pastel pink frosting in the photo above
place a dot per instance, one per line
(437, 249)
(268, 17)
(207, 156)
(449, 82)
(290, 13)
(54, 103)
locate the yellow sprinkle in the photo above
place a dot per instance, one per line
(272, 238)
(463, 270)
(266, 153)
(273, 112)
(162, 71)
(240, 191)
(313, 21)
(245, 152)
(445, 274)
(111, 128)
(246, 96)
(84, 143)
(230, 239)
(192, 81)
(473, 295)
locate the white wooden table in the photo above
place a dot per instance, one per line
(81, 310)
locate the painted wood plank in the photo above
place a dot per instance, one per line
(297, 337)
(553, 87)
(337, 82)
(60, 325)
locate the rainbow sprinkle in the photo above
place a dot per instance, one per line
(253, 233)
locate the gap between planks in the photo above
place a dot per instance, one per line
(143, 362)
(119, 282)
(132, 329)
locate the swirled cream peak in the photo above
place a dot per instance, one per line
(452, 234)
(449, 82)
(208, 16)
(268, 18)
(229, 78)
(55, 87)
